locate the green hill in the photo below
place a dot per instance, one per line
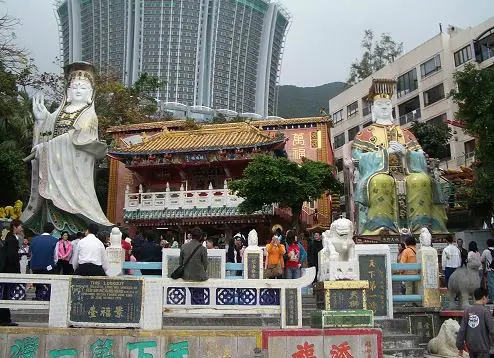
(296, 102)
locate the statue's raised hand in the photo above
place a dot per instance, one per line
(395, 147)
(39, 109)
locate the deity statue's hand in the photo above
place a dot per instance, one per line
(395, 147)
(39, 110)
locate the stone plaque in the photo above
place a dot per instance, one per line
(105, 302)
(291, 306)
(422, 326)
(373, 269)
(346, 299)
(253, 269)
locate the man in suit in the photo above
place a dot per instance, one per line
(12, 264)
(42, 258)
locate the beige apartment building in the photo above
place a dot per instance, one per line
(424, 79)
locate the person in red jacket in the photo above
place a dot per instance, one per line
(293, 264)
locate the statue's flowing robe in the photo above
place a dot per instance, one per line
(63, 170)
(380, 176)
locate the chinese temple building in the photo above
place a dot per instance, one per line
(175, 174)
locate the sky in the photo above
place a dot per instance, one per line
(322, 41)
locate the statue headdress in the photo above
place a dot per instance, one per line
(80, 70)
(381, 88)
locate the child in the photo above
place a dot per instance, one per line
(476, 327)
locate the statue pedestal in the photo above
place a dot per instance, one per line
(341, 304)
(333, 269)
(116, 258)
(429, 285)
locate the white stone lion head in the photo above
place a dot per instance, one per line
(473, 262)
(340, 234)
(448, 332)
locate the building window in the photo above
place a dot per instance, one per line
(339, 164)
(431, 66)
(441, 119)
(368, 123)
(339, 140)
(352, 132)
(407, 83)
(409, 111)
(463, 55)
(469, 148)
(337, 116)
(484, 48)
(352, 109)
(366, 106)
(433, 95)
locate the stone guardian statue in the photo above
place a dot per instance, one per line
(65, 149)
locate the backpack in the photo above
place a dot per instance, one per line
(3, 255)
(491, 264)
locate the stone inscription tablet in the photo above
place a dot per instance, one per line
(291, 306)
(104, 300)
(253, 269)
(346, 299)
(373, 269)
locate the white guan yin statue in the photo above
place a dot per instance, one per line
(65, 149)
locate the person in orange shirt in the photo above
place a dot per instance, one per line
(409, 256)
(274, 262)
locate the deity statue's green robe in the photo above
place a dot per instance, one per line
(394, 192)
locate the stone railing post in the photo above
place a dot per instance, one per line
(210, 194)
(253, 258)
(167, 195)
(115, 253)
(429, 284)
(225, 193)
(181, 197)
(127, 192)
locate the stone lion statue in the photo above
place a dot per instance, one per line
(337, 259)
(463, 282)
(444, 344)
(338, 240)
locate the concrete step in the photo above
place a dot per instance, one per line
(404, 353)
(393, 326)
(400, 341)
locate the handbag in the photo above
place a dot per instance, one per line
(179, 271)
(273, 270)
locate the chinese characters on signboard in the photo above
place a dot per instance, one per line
(373, 269)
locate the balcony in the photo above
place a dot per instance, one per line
(181, 199)
(410, 116)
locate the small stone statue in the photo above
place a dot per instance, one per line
(444, 344)
(252, 238)
(425, 237)
(337, 259)
(463, 282)
(115, 237)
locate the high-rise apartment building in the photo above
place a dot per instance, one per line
(224, 54)
(424, 80)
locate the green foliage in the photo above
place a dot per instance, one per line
(300, 102)
(475, 99)
(433, 138)
(268, 180)
(377, 54)
(13, 180)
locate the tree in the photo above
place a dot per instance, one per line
(433, 138)
(268, 180)
(377, 54)
(474, 97)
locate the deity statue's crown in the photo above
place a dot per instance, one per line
(381, 88)
(79, 71)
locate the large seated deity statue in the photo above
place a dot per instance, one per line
(393, 189)
(65, 148)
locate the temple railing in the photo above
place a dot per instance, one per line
(181, 199)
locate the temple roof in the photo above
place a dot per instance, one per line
(182, 123)
(207, 138)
